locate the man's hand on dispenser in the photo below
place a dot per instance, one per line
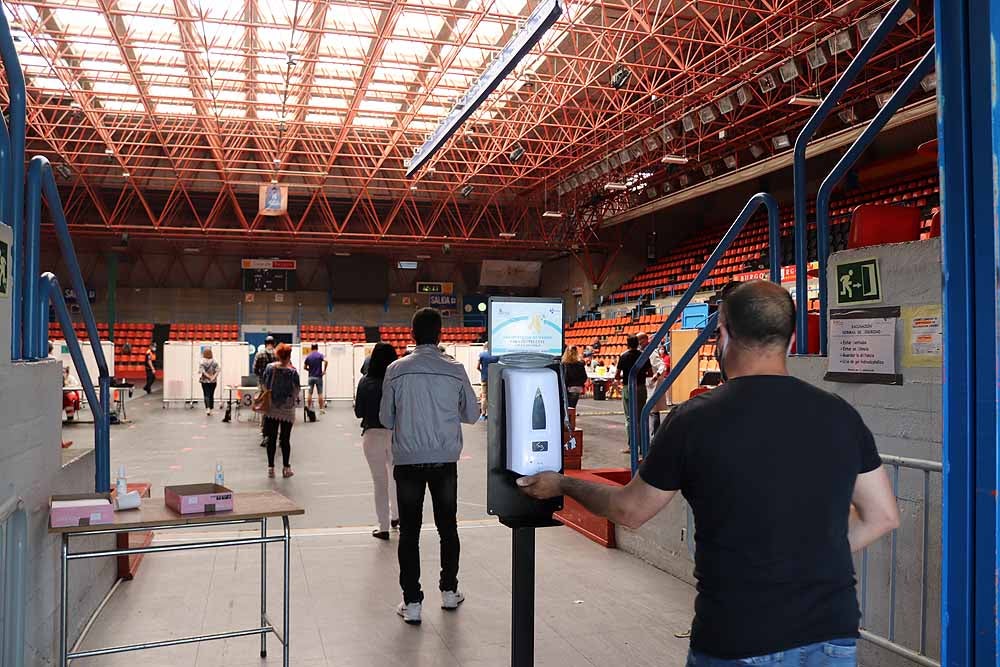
(542, 486)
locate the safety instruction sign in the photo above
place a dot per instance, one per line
(863, 346)
(858, 282)
(923, 336)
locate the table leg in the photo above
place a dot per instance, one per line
(263, 587)
(64, 599)
(287, 545)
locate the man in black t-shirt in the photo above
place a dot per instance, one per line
(625, 364)
(785, 482)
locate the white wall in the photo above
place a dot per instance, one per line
(31, 466)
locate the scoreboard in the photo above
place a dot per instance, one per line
(268, 275)
(435, 288)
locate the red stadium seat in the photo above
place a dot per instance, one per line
(872, 224)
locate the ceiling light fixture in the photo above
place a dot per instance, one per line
(684, 180)
(767, 83)
(708, 169)
(552, 214)
(816, 58)
(756, 150)
(507, 235)
(465, 191)
(929, 82)
(674, 159)
(615, 187)
(788, 70)
(729, 161)
(742, 95)
(687, 123)
(867, 25)
(840, 42)
(342, 254)
(805, 100)
(781, 141)
(529, 34)
(847, 116)
(725, 105)
(882, 99)
(620, 76)
(517, 153)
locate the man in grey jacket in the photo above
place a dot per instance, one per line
(426, 397)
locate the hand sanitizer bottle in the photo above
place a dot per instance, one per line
(121, 484)
(220, 478)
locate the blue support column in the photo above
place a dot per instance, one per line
(969, 146)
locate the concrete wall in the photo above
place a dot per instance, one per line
(31, 466)
(906, 421)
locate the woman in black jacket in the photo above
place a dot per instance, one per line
(377, 440)
(575, 373)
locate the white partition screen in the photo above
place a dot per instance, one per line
(178, 371)
(339, 381)
(60, 349)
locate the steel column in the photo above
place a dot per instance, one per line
(968, 134)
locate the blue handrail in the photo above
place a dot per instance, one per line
(51, 293)
(12, 182)
(799, 169)
(639, 437)
(846, 162)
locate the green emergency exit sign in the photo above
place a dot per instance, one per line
(859, 282)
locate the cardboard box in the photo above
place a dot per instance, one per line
(81, 513)
(198, 498)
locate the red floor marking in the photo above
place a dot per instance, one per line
(188, 449)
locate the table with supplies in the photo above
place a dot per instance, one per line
(154, 514)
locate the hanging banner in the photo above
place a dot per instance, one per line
(273, 199)
(863, 346)
(787, 273)
(922, 338)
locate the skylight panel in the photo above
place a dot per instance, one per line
(161, 72)
(471, 57)
(417, 24)
(350, 17)
(81, 22)
(46, 83)
(488, 33)
(147, 27)
(405, 51)
(328, 102)
(174, 109)
(345, 46)
(275, 39)
(113, 88)
(94, 49)
(122, 106)
(373, 121)
(379, 105)
(220, 8)
(325, 118)
(170, 91)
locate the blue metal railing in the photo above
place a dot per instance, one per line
(799, 169)
(639, 437)
(840, 170)
(13, 552)
(32, 292)
(12, 178)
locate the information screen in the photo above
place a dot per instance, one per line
(521, 325)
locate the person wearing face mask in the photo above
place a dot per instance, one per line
(785, 482)
(261, 361)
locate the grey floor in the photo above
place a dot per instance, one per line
(593, 607)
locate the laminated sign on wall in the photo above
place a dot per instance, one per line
(923, 336)
(863, 346)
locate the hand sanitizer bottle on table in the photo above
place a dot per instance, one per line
(220, 478)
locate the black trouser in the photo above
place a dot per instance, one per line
(208, 389)
(150, 379)
(275, 431)
(656, 422)
(572, 398)
(442, 479)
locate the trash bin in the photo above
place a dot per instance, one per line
(600, 391)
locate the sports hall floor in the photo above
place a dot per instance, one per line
(594, 606)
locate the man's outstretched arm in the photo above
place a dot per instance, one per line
(631, 505)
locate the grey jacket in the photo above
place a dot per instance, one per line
(426, 397)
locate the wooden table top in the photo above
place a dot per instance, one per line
(154, 512)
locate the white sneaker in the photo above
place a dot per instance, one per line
(409, 612)
(208, 412)
(322, 411)
(451, 599)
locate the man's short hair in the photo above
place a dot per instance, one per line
(632, 342)
(426, 326)
(315, 346)
(759, 313)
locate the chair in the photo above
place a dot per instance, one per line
(873, 224)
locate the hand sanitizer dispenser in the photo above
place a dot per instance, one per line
(534, 439)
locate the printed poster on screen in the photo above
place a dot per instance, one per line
(517, 327)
